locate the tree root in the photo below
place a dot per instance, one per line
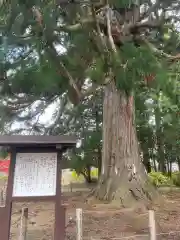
(125, 194)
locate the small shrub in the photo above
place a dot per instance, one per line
(80, 177)
(158, 179)
(94, 173)
(74, 175)
(3, 177)
(77, 177)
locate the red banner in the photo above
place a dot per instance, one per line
(4, 166)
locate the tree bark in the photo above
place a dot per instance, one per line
(146, 162)
(154, 163)
(87, 174)
(160, 140)
(98, 129)
(123, 177)
(169, 166)
(178, 164)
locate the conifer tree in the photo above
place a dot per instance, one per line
(54, 48)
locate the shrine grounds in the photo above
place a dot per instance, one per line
(100, 221)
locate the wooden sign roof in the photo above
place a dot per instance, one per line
(29, 140)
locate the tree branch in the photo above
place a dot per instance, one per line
(71, 80)
(76, 26)
(147, 24)
(169, 57)
(154, 49)
(111, 41)
(104, 46)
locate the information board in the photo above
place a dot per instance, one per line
(35, 174)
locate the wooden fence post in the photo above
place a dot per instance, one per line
(2, 199)
(79, 223)
(152, 225)
(23, 224)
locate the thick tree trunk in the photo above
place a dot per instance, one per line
(154, 164)
(160, 140)
(98, 130)
(169, 168)
(123, 176)
(87, 174)
(146, 162)
(178, 162)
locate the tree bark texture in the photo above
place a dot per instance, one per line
(146, 162)
(123, 177)
(160, 140)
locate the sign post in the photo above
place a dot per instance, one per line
(35, 175)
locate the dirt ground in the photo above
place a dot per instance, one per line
(100, 221)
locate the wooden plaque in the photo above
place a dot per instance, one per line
(35, 175)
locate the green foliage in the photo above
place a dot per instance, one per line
(87, 155)
(79, 177)
(78, 163)
(3, 153)
(136, 64)
(44, 63)
(97, 71)
(3, 178)
(36, 79)
(158, 179)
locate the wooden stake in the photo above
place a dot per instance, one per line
(2, 199)
(79, 223)
(152, 225)
(23, 224)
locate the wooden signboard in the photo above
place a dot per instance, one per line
(35, 175)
